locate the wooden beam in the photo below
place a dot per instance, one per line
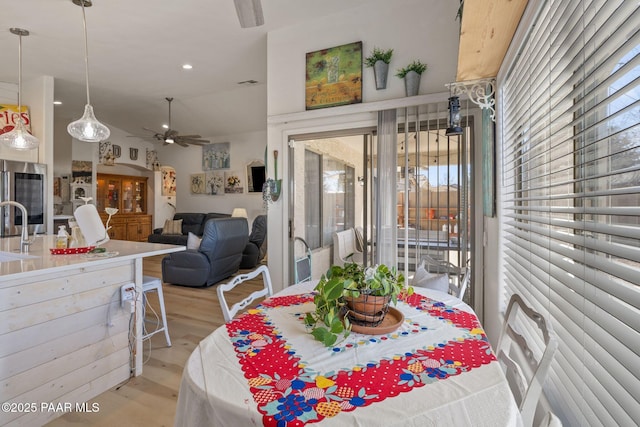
(486, 32)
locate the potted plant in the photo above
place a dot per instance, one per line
(411, 75)
(379, 59)
(365, 292)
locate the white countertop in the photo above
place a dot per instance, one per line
(39, 259)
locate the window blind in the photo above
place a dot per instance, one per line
(570, 199)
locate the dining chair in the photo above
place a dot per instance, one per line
(525, 350)
(267, 290)
(458, 286)
(302, 270)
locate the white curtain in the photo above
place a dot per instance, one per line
(385, 190)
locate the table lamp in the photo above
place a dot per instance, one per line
(239, 212)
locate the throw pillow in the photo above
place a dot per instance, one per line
(421, 275)
(172, 226)
(438, 283)
(193, 241)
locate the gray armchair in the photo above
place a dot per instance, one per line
(219, 255)
(256, 249)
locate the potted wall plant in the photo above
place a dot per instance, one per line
(379, 60)
(352, 292)
(411, 75)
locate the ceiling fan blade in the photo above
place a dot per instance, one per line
(150, 130)
(181, 143)
(141, 137)
(194, 141)
(190, 136)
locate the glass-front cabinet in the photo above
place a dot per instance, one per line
(128, 194)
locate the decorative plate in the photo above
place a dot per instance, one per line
(71, 251)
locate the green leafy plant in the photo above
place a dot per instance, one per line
(378, 55)
(417, 66)
(349, 280)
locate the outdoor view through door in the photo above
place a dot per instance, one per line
(433, 200)
(334, 208)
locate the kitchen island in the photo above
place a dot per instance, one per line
(65, 337)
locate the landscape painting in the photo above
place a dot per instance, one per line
(334, 76)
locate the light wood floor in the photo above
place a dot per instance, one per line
(150, 399)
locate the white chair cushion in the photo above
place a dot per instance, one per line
(424, 279)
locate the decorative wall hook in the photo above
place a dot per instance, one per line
(481, 92)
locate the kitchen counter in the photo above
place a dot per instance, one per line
(65, 337)
(39, 259)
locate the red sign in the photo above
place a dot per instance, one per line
(9, 115)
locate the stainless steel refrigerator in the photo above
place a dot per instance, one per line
(25, 183)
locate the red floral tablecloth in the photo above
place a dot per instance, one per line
(295, 380)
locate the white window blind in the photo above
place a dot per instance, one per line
(570, 200)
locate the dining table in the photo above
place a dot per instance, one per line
(264, 368)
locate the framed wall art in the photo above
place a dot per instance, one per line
(168, 181)
(215, 183)
(232, 183)
(197, 183)
(334, 76)
(216, 156)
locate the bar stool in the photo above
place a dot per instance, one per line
(150, 284)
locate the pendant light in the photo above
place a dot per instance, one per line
(19, 138)
(87, 128)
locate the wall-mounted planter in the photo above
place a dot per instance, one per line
(380, 72)
(412, 83)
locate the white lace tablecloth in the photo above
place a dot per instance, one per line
(215, 391)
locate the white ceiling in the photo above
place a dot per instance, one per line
(136, 53)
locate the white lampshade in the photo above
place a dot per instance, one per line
(91, 225)
(88, 128)
(239, 212)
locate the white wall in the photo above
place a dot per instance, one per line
(245, 148)
(415, 29)
(37, 94)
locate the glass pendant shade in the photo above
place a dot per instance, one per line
(88, 128)
(19, 138)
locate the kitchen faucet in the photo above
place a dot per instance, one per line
(24, 239)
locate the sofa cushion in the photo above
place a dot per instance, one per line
(168, 239)
(172, 227)
(191, 222)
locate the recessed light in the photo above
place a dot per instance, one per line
(165, 126)
(187, 66)
(57, 102)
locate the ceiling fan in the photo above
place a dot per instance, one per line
(171, 136)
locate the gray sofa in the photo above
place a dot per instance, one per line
(219, 255)
(191, 222)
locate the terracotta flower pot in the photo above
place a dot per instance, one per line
(367, 309)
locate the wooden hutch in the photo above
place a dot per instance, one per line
(128, 194)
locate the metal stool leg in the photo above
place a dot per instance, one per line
(154, 284)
